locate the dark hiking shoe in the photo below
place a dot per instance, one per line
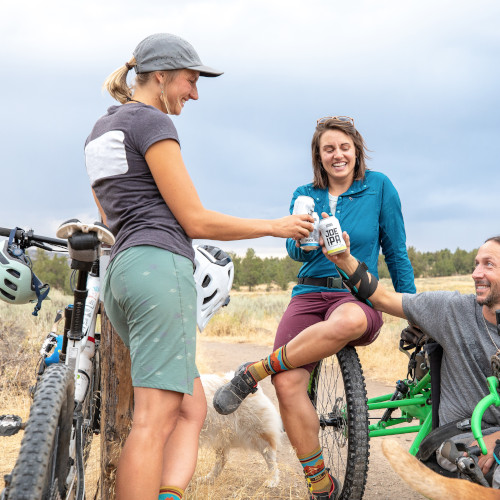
(228, 397)
(333, 495)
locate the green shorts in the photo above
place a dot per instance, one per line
(150, 297)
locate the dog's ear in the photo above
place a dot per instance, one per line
(427, 482)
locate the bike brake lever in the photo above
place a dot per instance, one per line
(469, 466)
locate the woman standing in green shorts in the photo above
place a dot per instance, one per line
(147, 199)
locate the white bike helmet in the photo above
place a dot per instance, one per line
(214, 273)
(16, 278)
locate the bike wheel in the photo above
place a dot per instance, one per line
(337, 391)
(43, 462)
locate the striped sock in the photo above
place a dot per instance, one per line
(170, 493)
(317, 476)
(274, 363)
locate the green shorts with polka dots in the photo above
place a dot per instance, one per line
(150, 298)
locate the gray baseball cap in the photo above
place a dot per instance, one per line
(164, 51)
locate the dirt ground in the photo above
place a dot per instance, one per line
(383, 483)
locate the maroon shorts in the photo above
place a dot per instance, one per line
(310, 308)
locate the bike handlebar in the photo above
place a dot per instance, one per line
(28, 238)
(477, 415)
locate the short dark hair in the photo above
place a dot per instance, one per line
(320, 179)
(496, 239)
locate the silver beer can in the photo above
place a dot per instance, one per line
(332, 235)
(305, 205)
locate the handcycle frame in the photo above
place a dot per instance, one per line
(413, 399)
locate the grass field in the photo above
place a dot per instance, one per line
(250, 317)
(254, 317)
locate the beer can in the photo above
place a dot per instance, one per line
(305, 205)
(332, 235)
(311, 242)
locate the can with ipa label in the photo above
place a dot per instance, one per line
(332, 235)
(305, 205)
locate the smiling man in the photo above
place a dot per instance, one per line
(465, 327)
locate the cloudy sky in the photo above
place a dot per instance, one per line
(421, 78)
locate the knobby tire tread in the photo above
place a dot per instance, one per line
(353, 399)
(50, 418)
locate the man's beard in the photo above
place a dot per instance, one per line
(492, 299)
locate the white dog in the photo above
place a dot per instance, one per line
(256, 425)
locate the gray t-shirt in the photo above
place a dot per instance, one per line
(456, 322)
(135, 211)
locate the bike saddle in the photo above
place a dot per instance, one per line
(71, 226)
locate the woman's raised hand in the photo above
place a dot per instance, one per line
(293, 226)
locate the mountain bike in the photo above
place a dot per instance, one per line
(338, 392)
(65, 413)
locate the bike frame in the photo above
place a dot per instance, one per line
(80, 324)
(86, 299)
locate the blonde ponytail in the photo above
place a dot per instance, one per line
(116, 83)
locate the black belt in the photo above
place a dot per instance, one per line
(327, 282)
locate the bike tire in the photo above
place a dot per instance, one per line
(43, 461)
(338, 393)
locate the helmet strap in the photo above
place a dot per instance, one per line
(41, 291)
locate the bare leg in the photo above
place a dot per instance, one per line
(298, 414)
(140, 466)
(348, 322)
(181, 450)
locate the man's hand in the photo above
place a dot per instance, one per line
(486, 461)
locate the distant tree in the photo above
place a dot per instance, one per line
(443, 264)
(237, 270)
(53, 270)
(383, 270)
(417, 262)
(251, 269)
(464, 261)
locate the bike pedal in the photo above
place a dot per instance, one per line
(10, 425)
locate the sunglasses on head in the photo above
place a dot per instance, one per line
(338, 118)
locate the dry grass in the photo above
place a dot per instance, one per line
(250, 317)
(243, 479)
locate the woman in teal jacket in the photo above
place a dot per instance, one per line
(323, 316)
(370, 210)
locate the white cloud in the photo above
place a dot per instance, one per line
(256, 35)
(420, 77)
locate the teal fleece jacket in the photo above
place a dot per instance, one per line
(370, 212)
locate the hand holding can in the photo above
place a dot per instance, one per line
(332, 235)
(305, 205)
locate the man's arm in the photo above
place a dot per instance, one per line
(381, 299)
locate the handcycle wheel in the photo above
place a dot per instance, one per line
(337, 391)
(43, 461)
